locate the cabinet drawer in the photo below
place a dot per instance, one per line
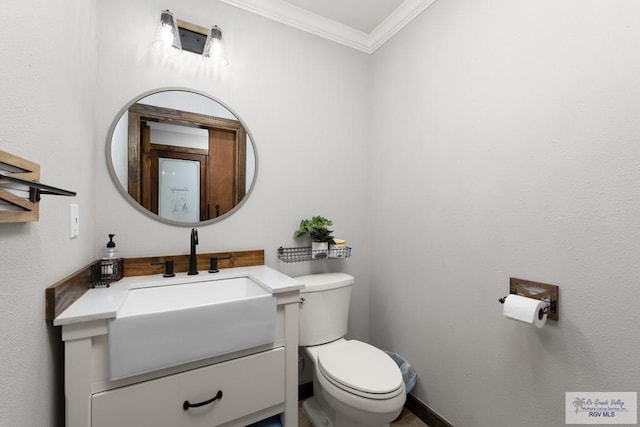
(248, 384)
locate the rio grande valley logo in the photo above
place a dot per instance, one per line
(601, 408)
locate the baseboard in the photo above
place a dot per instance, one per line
(426, 414)
(415, 405)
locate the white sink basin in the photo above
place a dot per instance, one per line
(162, 326)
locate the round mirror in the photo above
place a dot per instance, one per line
(181, 157)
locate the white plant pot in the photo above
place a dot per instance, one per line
(319, 250)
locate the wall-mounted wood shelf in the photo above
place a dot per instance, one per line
(20, 189)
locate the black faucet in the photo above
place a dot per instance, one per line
(193, 261)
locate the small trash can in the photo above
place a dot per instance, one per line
(408, 373)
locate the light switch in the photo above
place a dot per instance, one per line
(74, 218)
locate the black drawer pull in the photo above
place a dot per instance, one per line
(186, 405)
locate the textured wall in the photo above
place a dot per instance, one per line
(514, 132)
(47, 115)
(513, 128)
(67, 70)
(304, 100)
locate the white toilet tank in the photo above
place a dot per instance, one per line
(324, 314)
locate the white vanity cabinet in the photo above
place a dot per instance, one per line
(243, 386)
(248, 385)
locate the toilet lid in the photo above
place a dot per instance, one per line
(361, 367)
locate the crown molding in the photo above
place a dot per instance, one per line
(404, 14)
(304, 20)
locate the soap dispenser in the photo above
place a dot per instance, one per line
(111, 266)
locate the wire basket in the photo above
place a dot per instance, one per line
(103, 277)
(307, 254)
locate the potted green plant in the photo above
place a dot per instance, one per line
(318, 229)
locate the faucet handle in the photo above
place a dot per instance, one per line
(168, 267)
(213, 265)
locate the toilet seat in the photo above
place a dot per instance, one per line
(360, 369)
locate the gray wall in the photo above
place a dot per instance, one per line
(305, 102)
(505, 144)
(303, 98)
(47, 115)
(486, 140)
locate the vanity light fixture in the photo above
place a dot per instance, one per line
(167, 36)
(214, 47)
(174, 36)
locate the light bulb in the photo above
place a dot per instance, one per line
(214, 47)
(167, 35)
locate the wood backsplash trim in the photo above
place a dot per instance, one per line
(155, 265)
(65, 292)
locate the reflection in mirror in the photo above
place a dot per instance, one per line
(182, 157)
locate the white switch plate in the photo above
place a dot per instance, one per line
(74, 218)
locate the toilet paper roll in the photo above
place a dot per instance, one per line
(525, 310)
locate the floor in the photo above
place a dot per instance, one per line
(407, 419)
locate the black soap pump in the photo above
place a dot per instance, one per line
(111, 265)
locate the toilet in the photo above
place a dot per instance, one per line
(354, 384)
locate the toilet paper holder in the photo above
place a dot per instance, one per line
(536, 290)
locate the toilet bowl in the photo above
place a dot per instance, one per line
(361, 383)
(355, 384)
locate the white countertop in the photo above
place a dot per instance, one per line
(103, 303)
